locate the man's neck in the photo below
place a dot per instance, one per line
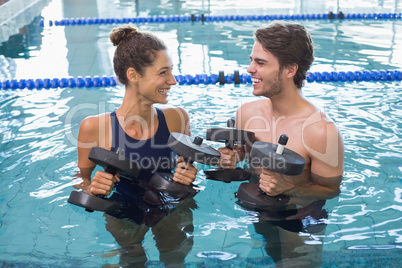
(288, 102)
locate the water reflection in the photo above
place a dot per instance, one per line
(173, 245)
(293, 232)
(23, 44)
(362, 229)
(85, 55)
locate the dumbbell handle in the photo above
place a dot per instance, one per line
(198, 141)
(111, 170)
(229, 144)
(283, 140)
(188, 160)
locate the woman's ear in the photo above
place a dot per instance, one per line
(132, 75)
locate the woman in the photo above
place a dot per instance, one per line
(143, 65)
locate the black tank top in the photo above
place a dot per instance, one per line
(152, 155)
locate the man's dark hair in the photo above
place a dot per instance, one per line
(291, 44)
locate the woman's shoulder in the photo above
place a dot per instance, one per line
(95, 121)
(175, 113)
(91, 126)
(177, 119)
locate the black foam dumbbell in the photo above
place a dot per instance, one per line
(274, 157)
(230, 136)
(112, 163)
(192, 150)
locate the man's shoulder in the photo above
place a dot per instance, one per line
(257, 102)
(319, 129)
(253, 106)
(251, 111)
(318, 120)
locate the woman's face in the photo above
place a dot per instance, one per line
(156, 82)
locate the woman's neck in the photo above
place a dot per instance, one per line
(137, 116)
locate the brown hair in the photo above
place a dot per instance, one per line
(134, 49)
(291, 44)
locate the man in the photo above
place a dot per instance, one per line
(281, 55)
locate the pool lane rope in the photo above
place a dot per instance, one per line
(210, 18)
(220, 78)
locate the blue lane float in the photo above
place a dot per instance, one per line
(381, 75)
(221, 79)
(210, 18)
(47, 83)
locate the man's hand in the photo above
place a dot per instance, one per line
(229, 158)
(185, 173)
(273, 183)
(102, 183)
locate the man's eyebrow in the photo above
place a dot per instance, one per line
(258, 59)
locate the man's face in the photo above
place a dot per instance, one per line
(265, 72)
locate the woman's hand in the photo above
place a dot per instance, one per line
(102, 183)
(185, 172)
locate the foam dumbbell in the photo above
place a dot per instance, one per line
(230, 136)
(192, 150)
(112, 163)
(274, 157)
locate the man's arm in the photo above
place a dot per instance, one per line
(324, 145)
(317, 187)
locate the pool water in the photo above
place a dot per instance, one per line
(38, 131)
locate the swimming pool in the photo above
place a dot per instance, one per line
(39, 127)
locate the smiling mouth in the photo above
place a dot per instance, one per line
(255, 80)
(164, 90)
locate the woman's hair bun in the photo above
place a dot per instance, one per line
(122, 33)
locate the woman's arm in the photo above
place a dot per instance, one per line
(178, 120)
(102, 183)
